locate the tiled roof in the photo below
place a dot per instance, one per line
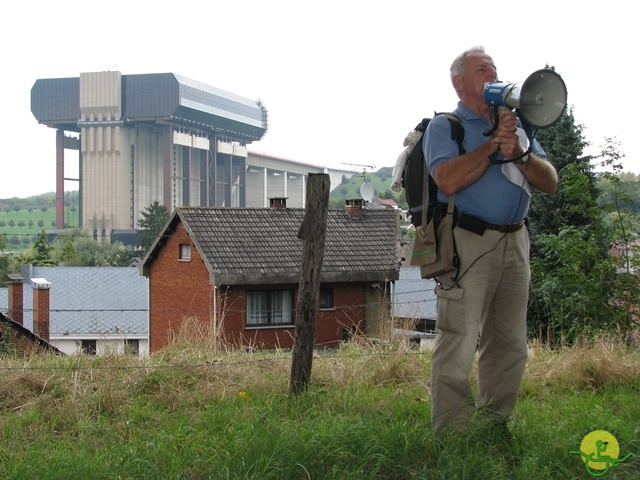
(92, 300)
(251, 245)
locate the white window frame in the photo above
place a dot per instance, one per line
(184, 254)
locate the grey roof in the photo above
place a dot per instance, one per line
(91, 301)
(412, 296)
(260, 245)
(155, 97)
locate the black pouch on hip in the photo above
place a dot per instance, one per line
(472, 224)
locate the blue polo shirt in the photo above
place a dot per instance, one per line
(492, 198)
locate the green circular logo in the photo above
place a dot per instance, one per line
(600, 447)
(600, 451)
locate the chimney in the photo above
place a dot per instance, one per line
(16, 300)
(355, 207)
(278, 202)
(41, 290)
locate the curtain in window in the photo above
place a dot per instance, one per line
(269, 307)
(281, 307)
(257, 308)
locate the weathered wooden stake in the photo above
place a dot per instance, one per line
(312, 232)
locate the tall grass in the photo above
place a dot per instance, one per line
(198, 410)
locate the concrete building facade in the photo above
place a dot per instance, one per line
(160, 137)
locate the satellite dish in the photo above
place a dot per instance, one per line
(366, 192)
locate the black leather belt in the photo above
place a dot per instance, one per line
(506, 228)
(478, 226)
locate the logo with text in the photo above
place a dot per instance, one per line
(600, 451)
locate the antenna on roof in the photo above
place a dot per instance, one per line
(366, 190)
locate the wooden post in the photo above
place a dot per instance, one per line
(312, 232)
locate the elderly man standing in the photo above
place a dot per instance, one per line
(483, 306)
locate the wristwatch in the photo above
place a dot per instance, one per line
(523, 160)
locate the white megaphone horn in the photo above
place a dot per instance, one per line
(540, 100)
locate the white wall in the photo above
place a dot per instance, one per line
(104, 346)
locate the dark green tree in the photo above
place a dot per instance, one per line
(75, 248)
(89, 253)
(40, 254)
(4, 261)
(572, 274)
(624, 224)
(564, 145)
(153, 219)
(387, 194)
(68, 252)
(623, 190)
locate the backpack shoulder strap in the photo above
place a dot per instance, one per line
(457, 134)
(457, 130)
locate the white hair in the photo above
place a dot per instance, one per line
(457, 67)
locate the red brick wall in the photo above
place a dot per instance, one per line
(16, 302)
(14, 342)
(233, 313)
(179, 290)
(41, 312)
(349, 313)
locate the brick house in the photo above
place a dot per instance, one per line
(237, 271)
(15, 338)
(91, 310)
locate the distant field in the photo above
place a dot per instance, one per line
(20, 228)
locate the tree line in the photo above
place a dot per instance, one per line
(76, 248)
(41, 202)
(579, 289)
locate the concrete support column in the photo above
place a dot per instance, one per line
(167, 168)
(60, 179)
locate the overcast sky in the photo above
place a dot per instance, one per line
(343, 80)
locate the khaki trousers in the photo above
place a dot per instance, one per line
(485, 313)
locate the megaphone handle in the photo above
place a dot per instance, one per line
(526, 127)
(493, 110)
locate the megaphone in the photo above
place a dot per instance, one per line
(540, 100)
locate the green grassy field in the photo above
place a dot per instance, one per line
(22, 227)
(196, 412)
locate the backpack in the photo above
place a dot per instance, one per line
(413, 171)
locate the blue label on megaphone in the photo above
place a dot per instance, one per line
(494, 93)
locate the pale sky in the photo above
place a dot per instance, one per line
(343, 81)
